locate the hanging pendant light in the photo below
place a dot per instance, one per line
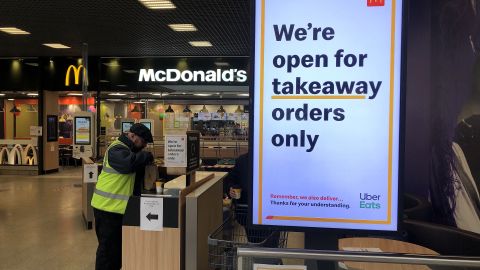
(204, 109)
(221, 109)
(136, 109)
(187, 109)
(239, 110)
(169, 109)
(31, 108)
(15, 110)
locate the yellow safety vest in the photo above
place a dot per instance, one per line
(113, 188)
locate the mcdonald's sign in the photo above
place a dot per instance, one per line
(375, 3)
(76, 73)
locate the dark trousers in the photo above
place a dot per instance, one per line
(108, 227)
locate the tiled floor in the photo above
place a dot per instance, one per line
(41, 224)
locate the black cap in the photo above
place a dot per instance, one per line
(142, 131)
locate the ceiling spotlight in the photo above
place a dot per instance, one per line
(184, 27)
(200, 43)
(222, 64)
(56, 46)
(158, 4)
(14, 31)
(130, 71)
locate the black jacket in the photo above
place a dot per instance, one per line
(125, 160)
(239, 177)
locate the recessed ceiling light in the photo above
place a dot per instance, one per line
(11, 99)
(113, 63)
(32, 64)
(183, 27)
(104, 81)
(158, 4)
(1, 95)
(244, 95)
(32, 94)
(139, 102)
(14, 31)
(222, 64)
(131, 71)
(200, 43)
(74, 94)
(56, 45)
(203, 95)
(117, 94)
(159, 94)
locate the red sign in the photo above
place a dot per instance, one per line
(375, 3)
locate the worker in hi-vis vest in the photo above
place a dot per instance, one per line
(114, 187)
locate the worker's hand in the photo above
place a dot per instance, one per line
(232, 193)
(149, 158)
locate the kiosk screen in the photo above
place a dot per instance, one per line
(83, 126)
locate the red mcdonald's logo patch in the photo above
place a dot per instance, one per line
(375, 3)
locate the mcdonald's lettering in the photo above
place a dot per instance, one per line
(375, 3)
(76, 73)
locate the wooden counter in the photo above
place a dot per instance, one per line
(145, 250)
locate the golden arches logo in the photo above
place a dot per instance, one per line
(76, 73)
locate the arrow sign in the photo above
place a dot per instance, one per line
(150, 217)
(151, 213)
(90, 173)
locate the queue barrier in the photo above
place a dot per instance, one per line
(245, 257)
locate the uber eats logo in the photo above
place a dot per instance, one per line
(369, 201)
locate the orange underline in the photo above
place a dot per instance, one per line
(320, 97)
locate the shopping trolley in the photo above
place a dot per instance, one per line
(234, 233)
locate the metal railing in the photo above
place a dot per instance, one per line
(374, 257)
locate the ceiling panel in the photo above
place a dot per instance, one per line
(124, 28)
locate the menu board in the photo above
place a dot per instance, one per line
(83, 126)
(327, 88)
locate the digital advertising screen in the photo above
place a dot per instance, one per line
(147, 124)
(126, 126)
(83, 126)
(326, 93)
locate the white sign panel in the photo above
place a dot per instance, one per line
(327, 113)
(90, 173)
(204, 116)
(176, 151)
(35, 131)
(151, 214)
